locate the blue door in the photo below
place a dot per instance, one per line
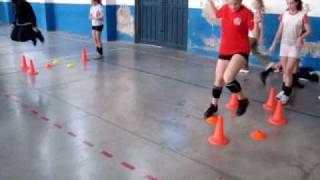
(163, 22)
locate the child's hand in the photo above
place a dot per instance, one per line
(35, 29)
(271, 49)
(299, 43)
(211, 2)
(257, 19)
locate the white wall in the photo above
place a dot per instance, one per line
(272, 6)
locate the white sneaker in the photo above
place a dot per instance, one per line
(269, 65)
(98, 57)
(284, 99)
(245, 71)
(279, 95)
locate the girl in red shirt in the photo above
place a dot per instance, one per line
(236, 21)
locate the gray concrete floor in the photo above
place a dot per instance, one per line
(138, 115)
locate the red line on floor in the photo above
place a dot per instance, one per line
(127, 165)
(88, 143)
(58, 126)
(45, 118)
(106, 153)
(151, 177)
(72, 134)
(35, 112)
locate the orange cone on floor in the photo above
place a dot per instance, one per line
(271, 102)
(84, 56)
(48, 66)
(233, 104)
(258, 135)
(278, 116)
(32, 71)
(218, 138)
(24, 66)
(212, 120)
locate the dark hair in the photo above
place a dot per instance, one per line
(98, 1)
(300, 5)
(17, 1)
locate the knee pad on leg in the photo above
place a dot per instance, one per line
(216, 92)
(234, 86)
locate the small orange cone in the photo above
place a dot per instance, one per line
(212, 120)
(48, 66)
(271, 103)
(84, 56)
(24, 66)
(258, 135)
(32, 71)
(218, 138)
(233, 104)
(277, 118)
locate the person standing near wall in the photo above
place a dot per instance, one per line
(256, 35)
(294, 28)
(24, 27)
(236, 21)
(96, 16)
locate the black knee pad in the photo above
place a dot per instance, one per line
(216, 92)
(234, 86)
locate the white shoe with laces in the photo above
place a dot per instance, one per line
(279, 95)
(284, 99)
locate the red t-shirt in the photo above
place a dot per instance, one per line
(235, 28)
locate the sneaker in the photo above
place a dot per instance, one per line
(284, 99)
(99, 57)
(40, 37)
(243, 105)
(269, 66)
(279, 95)
(263, 77)
(245, 71)
(210, 111)
(297, 84)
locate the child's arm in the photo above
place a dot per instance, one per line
(276, 39)
(307, 31)
(213, 6)
(100, 15)
(260, 27)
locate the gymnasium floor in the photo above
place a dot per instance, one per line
(138, 115)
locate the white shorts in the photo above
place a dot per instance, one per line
(290, 51)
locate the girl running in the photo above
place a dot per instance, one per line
(96, 16)
(236, 21)
(24, 27)
(294, 28)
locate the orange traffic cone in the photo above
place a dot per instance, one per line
(233, 104)
(24, 66)
(32, 71)
(258, 135)
(218, 139)
(277, 118)
(48, 66)
(84, 56)
(212, 120)
(271, 103)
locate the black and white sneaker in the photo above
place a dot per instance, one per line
(98, 57)
(210, 111)
(243, 105)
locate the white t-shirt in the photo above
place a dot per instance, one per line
(292, 26)
(95, 11)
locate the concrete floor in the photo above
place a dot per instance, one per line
(138, 115)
